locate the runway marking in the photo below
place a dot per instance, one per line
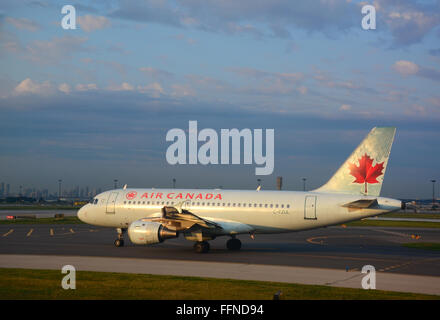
(395, 266)
(394, 233)
(8, 233)
(312, 240)
(51, 232)
(30, 232)
(339, 257)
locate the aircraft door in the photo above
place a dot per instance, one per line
(111, 203)
(310, 208)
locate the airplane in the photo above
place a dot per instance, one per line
(151, 216)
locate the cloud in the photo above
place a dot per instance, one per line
(28, 86)
(125, 86)
(55, 50)
(405, 68)
(90, 23)
(408, 21)
(86, 87)
(156, 73)
(64, 87)
(345, 107)
(252, 17)
(408, 68)
(435, 52)
(154, 89)
(23, 24)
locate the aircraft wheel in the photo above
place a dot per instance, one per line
(233, 244)
(201, 247)
(119, 243)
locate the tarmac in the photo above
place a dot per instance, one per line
(329, 256)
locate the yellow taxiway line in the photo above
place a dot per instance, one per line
(8, 233)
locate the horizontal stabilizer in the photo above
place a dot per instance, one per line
(362, 204)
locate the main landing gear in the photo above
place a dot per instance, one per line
(233, 244)
(201, 246)
(120, 241)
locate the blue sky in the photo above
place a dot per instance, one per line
(94, 104)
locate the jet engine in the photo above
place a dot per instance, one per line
(147, 232)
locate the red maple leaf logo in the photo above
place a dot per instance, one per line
(131, 195)
(365, 172)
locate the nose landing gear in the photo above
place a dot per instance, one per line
(120, 241)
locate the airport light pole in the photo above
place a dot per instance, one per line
(59, 189)
(174, 183)
(433, 192)
(304, 183)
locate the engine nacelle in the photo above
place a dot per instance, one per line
(147, 232)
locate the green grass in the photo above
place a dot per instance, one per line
(46, 284)
(423, 245)
(401, 224)
(65, 220)
(412, 215)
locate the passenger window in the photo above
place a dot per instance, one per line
(276, 206)
(282, 206)
(238, 204)
(288, 206)
(265, 205)
(271, 205)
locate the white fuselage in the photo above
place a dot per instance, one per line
(262, 211)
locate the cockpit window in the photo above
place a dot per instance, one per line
(96, 201)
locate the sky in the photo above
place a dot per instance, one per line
(95, 104)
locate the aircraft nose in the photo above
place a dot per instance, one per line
(82, 213)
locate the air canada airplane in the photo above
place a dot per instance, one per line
(153, 215)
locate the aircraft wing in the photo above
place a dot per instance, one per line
(184, 220)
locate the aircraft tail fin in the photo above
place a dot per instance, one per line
(363, 172)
